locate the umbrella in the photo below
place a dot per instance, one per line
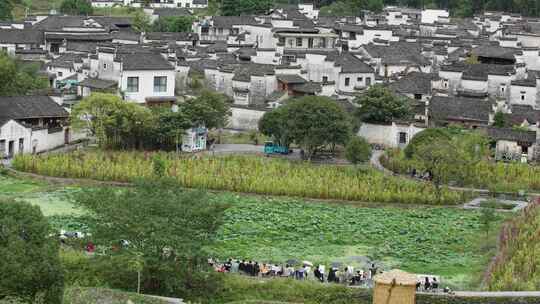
(292, 261)
(307, 263)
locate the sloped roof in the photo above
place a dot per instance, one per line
(97, 83)
(172, 36)
(512, 135)
(494, 51)
(349, 63)
(22, 107)
(397, 53)
(413, 83)
(229, 21)
(308, 87)
(21, 36)
(521, 113)
(460, 108)
(290, 78)
(144, 61)
(479, 71)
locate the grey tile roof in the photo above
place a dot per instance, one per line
(349, 63)
(493, 51)
(413, 83)
(244, 71)
(168, 36)
(511, 135)
(444, 108)
(397, 53)
(26, 36)
(479, 71)
(521, 113)
(290, 78)
(144, 61)
(308, 87)
(200, 2)
(229, 21)
(23, 107)
(79, 37)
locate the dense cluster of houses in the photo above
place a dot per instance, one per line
(452, 71)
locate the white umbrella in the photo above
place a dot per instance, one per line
(307, 263)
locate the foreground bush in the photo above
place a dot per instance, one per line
(240, 174)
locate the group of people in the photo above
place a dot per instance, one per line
(421, 175)
(347, 275)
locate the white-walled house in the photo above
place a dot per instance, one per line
(33, 124)
(394, 135)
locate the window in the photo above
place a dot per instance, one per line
(325, 79)
(417, 96)
(402, 138)
(368, 81)
(524, 149)
(160, 84)
(187, 5)
(522, 95)
(179, 5)
(299, 42)
(60, 74)
(347, 81)
(104, 66)
(360, 79)
(352, 36)
(132, 84)
(2, 148)
(220, 31)
(21, 145)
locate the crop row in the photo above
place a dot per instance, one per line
(249, 174)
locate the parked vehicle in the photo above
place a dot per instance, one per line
(271, 148)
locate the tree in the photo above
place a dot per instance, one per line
(17, 78)
(173, 24)
(487, 217)
(5, 11)
(357, 150)
(171, 124)
(274, 124)
(425, 137)
(441, 159)
(141, 22)
(379, 105)
(113, 121)
(210, 109)
(314, 122)
(167, 229)
(76, 7)
(30, 264)
(498, 120)
(244, 7)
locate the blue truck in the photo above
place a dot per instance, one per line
(271, 148)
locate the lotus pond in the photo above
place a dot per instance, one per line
(444, 241)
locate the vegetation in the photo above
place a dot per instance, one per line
(379, 105)
(30, 264)
(517, 266)
(171, 228)
(442, 241)
(141, 22)
(244, 7)
(173, 24)
(348, 7)
(498, 120)
(118, 124)
(242, 174)
(495, 204)
(466, 163)
(18, 79)
(311, 122)
(79, 295)
(357, 150)
(76, 7)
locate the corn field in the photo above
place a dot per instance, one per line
(248, 174)
(495, 176)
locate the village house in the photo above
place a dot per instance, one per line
(512, 144)
(33, 124)
(396, 58)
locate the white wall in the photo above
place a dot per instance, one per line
(146, 84)
(431, 15)
(13, 131)
(387, 135)
(528, 93)
(244, 119)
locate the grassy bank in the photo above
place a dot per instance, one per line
(247, 174)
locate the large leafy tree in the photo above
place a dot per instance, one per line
(5, 10)
(141, 22)
(312, 122)
(209, 109)
(379, 105)
(17, 78)
(29, 262)
(167, 230)
(76, 7)
(274, 124)
(357, 150)
(173, 24)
